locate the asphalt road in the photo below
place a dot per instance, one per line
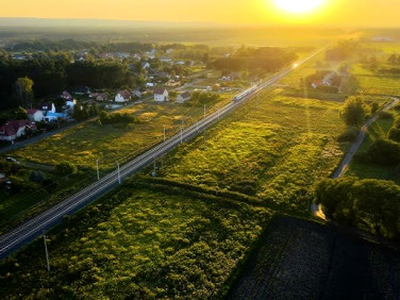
(25, 233)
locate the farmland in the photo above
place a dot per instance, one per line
(304, 260)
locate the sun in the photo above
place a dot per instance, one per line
(298, 6)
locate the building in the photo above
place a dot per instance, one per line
(14, 129)
(46, 107)
(161, 95)
(35, 115)
(123, 96)
(183, 97)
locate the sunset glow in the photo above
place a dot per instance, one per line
(298, 6)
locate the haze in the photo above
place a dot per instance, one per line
(260, 12)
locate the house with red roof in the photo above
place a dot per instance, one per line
(123, 96)
(161, 95)
(14, 129)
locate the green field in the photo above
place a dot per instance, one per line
(378, 130)
(274, 150)
(140, 244)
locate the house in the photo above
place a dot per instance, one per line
(160, 95)
(66, 96)
(123, 96)
(45, 107)
(183, 97)
(163, 75)
(14, 129)
(35, 115)
(54, 116)
(137, 93)
(146, 65)
(99, 96)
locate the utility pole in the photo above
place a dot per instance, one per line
(204, 111)
(181, 134)
(46, 252)
(98, 172)
(155, 167)
(165, 136)
(119, 174)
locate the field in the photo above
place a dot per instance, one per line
(87, 142)
(303, 260)
(142, 245)
(274, 149)
(378, 130)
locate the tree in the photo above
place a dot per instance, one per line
(24, 89)
(66, 168)
(21, 113)
(354, 111)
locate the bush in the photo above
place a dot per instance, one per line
(384, 152)
(113, 118)
(385, 115)
(350, 135)
(66, 168)
(394, 134)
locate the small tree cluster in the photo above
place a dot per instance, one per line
(369, 204)
(354, 111)
(113, 118)
(66, 168)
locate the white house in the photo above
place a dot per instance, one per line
(183, 97)
(123, 96)
(35, 115)
(161, 95)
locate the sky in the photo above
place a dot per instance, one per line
(261, 12)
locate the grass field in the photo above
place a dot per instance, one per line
(275, 149)
(85, 143)
(378, 130)
(139, 244)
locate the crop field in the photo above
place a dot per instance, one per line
(275, 149)
(373, 83)
(139, 244)
(304, 260)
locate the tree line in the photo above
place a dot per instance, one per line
(51, 76)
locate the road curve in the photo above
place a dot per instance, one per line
(25, 233)
(344, 164)
(316, 209)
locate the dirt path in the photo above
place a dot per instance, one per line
(344, 164)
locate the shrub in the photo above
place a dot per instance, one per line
(385, 115)
(350, 135)
(66, 168)
(384, 152)
(394, 134)
(113, 118)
